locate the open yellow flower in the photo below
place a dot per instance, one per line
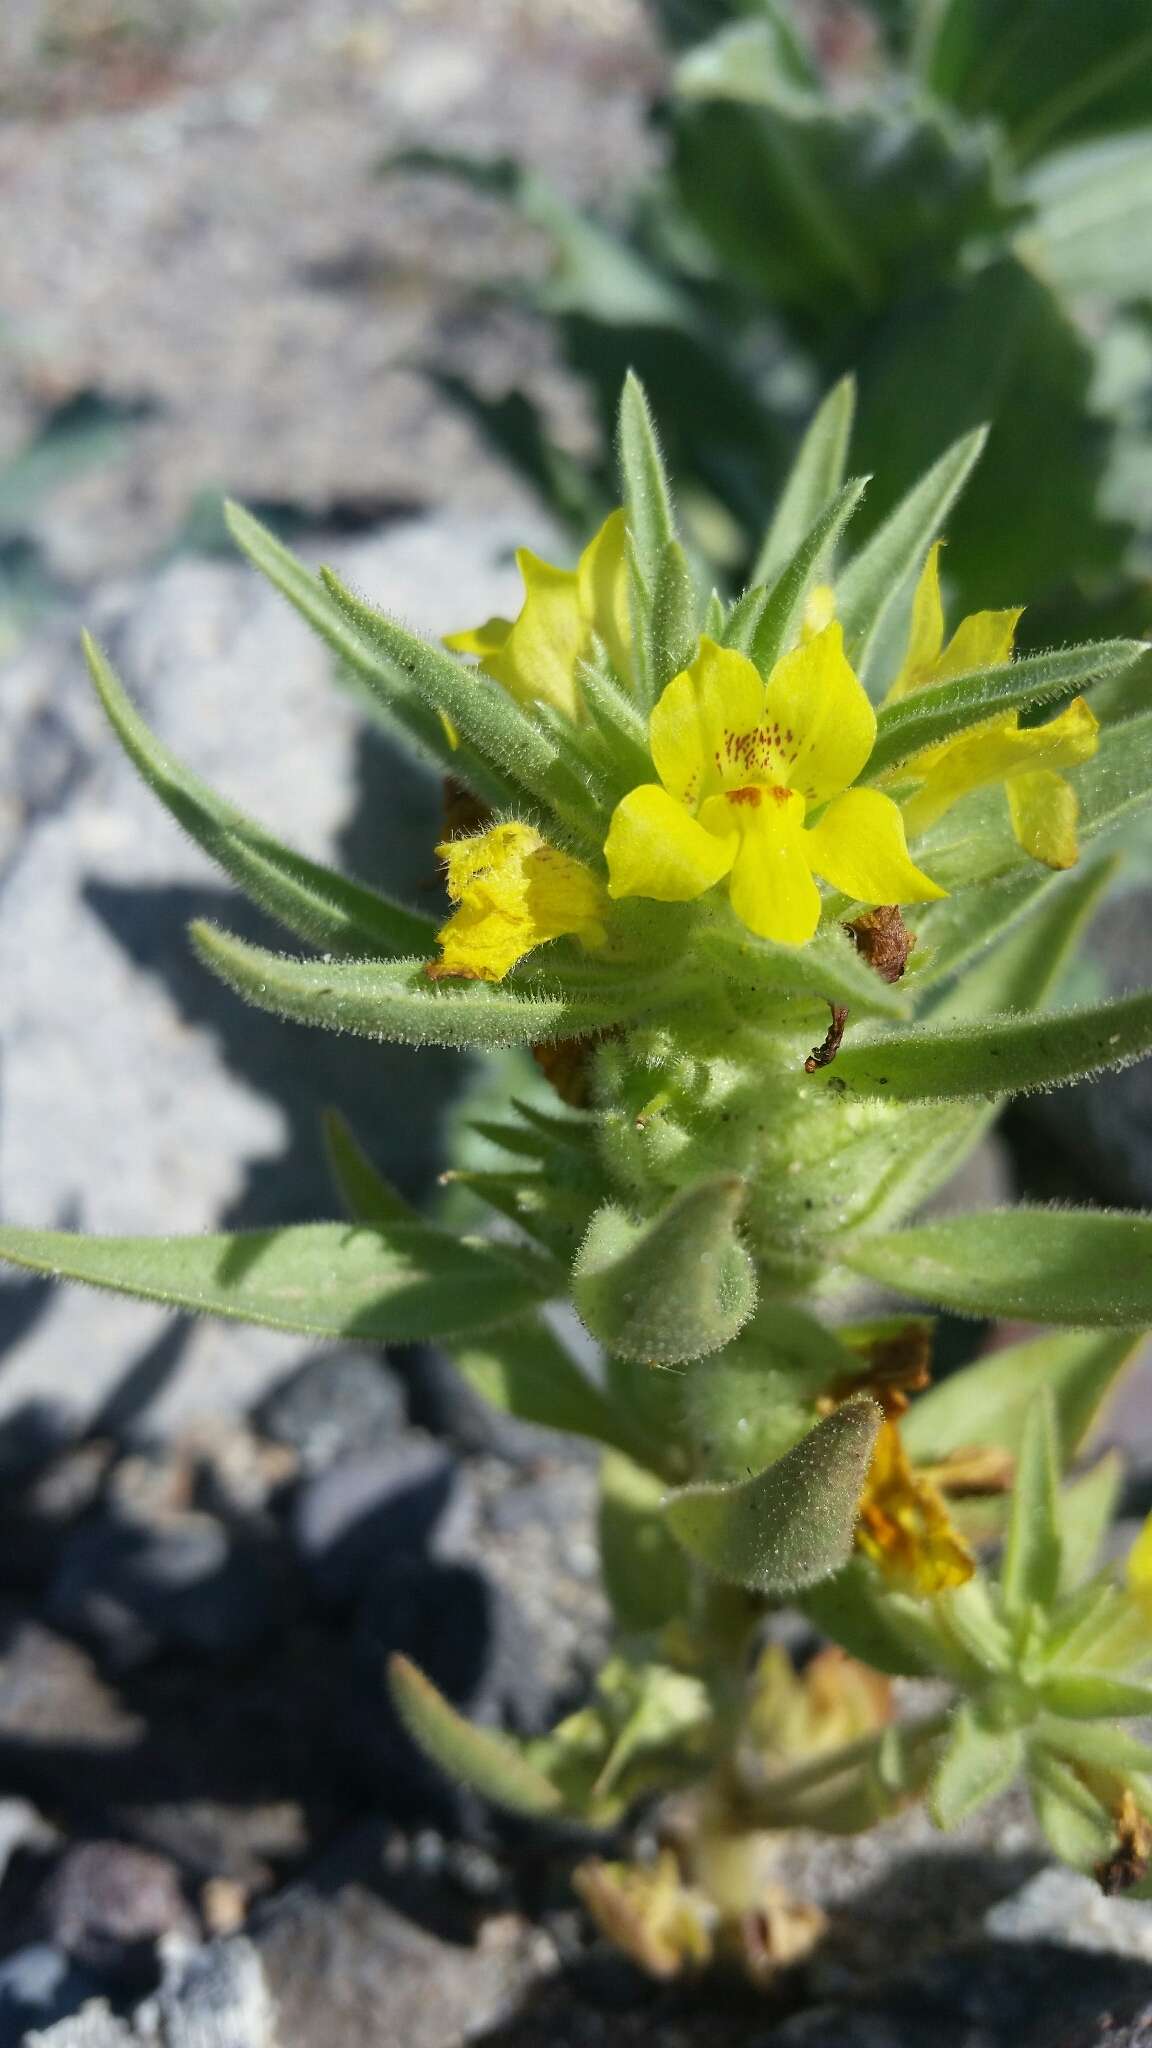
(1042, 805)
(514, 892)
(536, 656)
(904, 1525)
(741, 763)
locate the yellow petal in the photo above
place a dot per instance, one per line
(771, 887)
(819, 610)
(603, 581)
(484, 640)
(982, 640)
(1138, 1570)
(926, 633)
(705, 724)
(537, 662)
(993, 752)
(819, 724)
(904, 1525)
(514, 892)
(859, 846)
(656, 848)
(1044, 809)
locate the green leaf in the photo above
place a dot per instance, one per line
(489, 1763)
(994, 1057)
(397, 1001)
(648, 500)
(1027, 965)
(1083, 1267)
(941, 710)
(1094, 1696)
(1077, 1826)
(314, 901)
(523, 1369)
(1087, 1510)
(852, 1609)
(1091, 227)
(765, 622)
(676, 1286)
(793, 1523)
(875, 577)
(828, 969)
(393, 1286)
(816, 475)
(1044, 68)
(1084, 1743)
(645, 1571)
(307, 595)
(978, 1764)
(1030, 1570)
(673, 616)
(988, 1402)
(494, 726)
(366, 1195)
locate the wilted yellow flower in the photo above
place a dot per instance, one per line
(1027, 759)
(514, 892)
(537, 655)
(741, 763)
(648, 1911)
(904, 1525)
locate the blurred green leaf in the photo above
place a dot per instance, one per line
(1030, 1569)
(1092, 231)
(366, 1195)
(523, 1369)
(989, 1401)
(978, 1763)
(490, 1764)
(1094, 1696)
(1082, 1267)
(1046, 68)
(1026, 966)
(1078, 1828)
(394, 1285)
(1087, 1509)
(873, 578)
(645, 1571)
(793, 1523)
(814, 479)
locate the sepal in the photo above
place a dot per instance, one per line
(674, 1287)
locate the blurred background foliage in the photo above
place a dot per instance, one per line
(953, 198)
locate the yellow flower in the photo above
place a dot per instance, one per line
(514, 892)
(904, 1525)
(536, 656)
(1042, 805)
(740, 763)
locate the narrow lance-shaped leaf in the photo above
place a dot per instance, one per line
(674, 611)
(1088, 1508)
(816, 475)
(397, 1001)
(386, 687)
(766, 620)
(988, 1402)
(314, 901)
(1086, 1268)
(478, 709)
(677, 1286)
(875, 577)
(939, 711)
(645, 1570)
(491, 1764)
(646, 494)
(365, 1193)
(395, 1285)
(997, 1056)
(793, 1523)
(1030, 1571)
(1028, 964)
(978, 1763)
(828, 969)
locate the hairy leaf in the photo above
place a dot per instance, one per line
(677, 1286)
(645, 1571)
(1082, 1267)
(523, 1369)
(365, 1193)
(394, 1285)
(767, 619)
(793, 1523)
(1030, 1570)
(875, 577)
(316, 902)
(978, 1763)
(397, 1001)
(816, 476)
(988, 1402)
(997, 1056)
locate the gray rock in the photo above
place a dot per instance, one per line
(1062, 1906)
(216, 1997)
(38, 1984)
(94, 2026)
(369, 1509)
(107, 1905)
(333, 1405)
(184, 1583)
